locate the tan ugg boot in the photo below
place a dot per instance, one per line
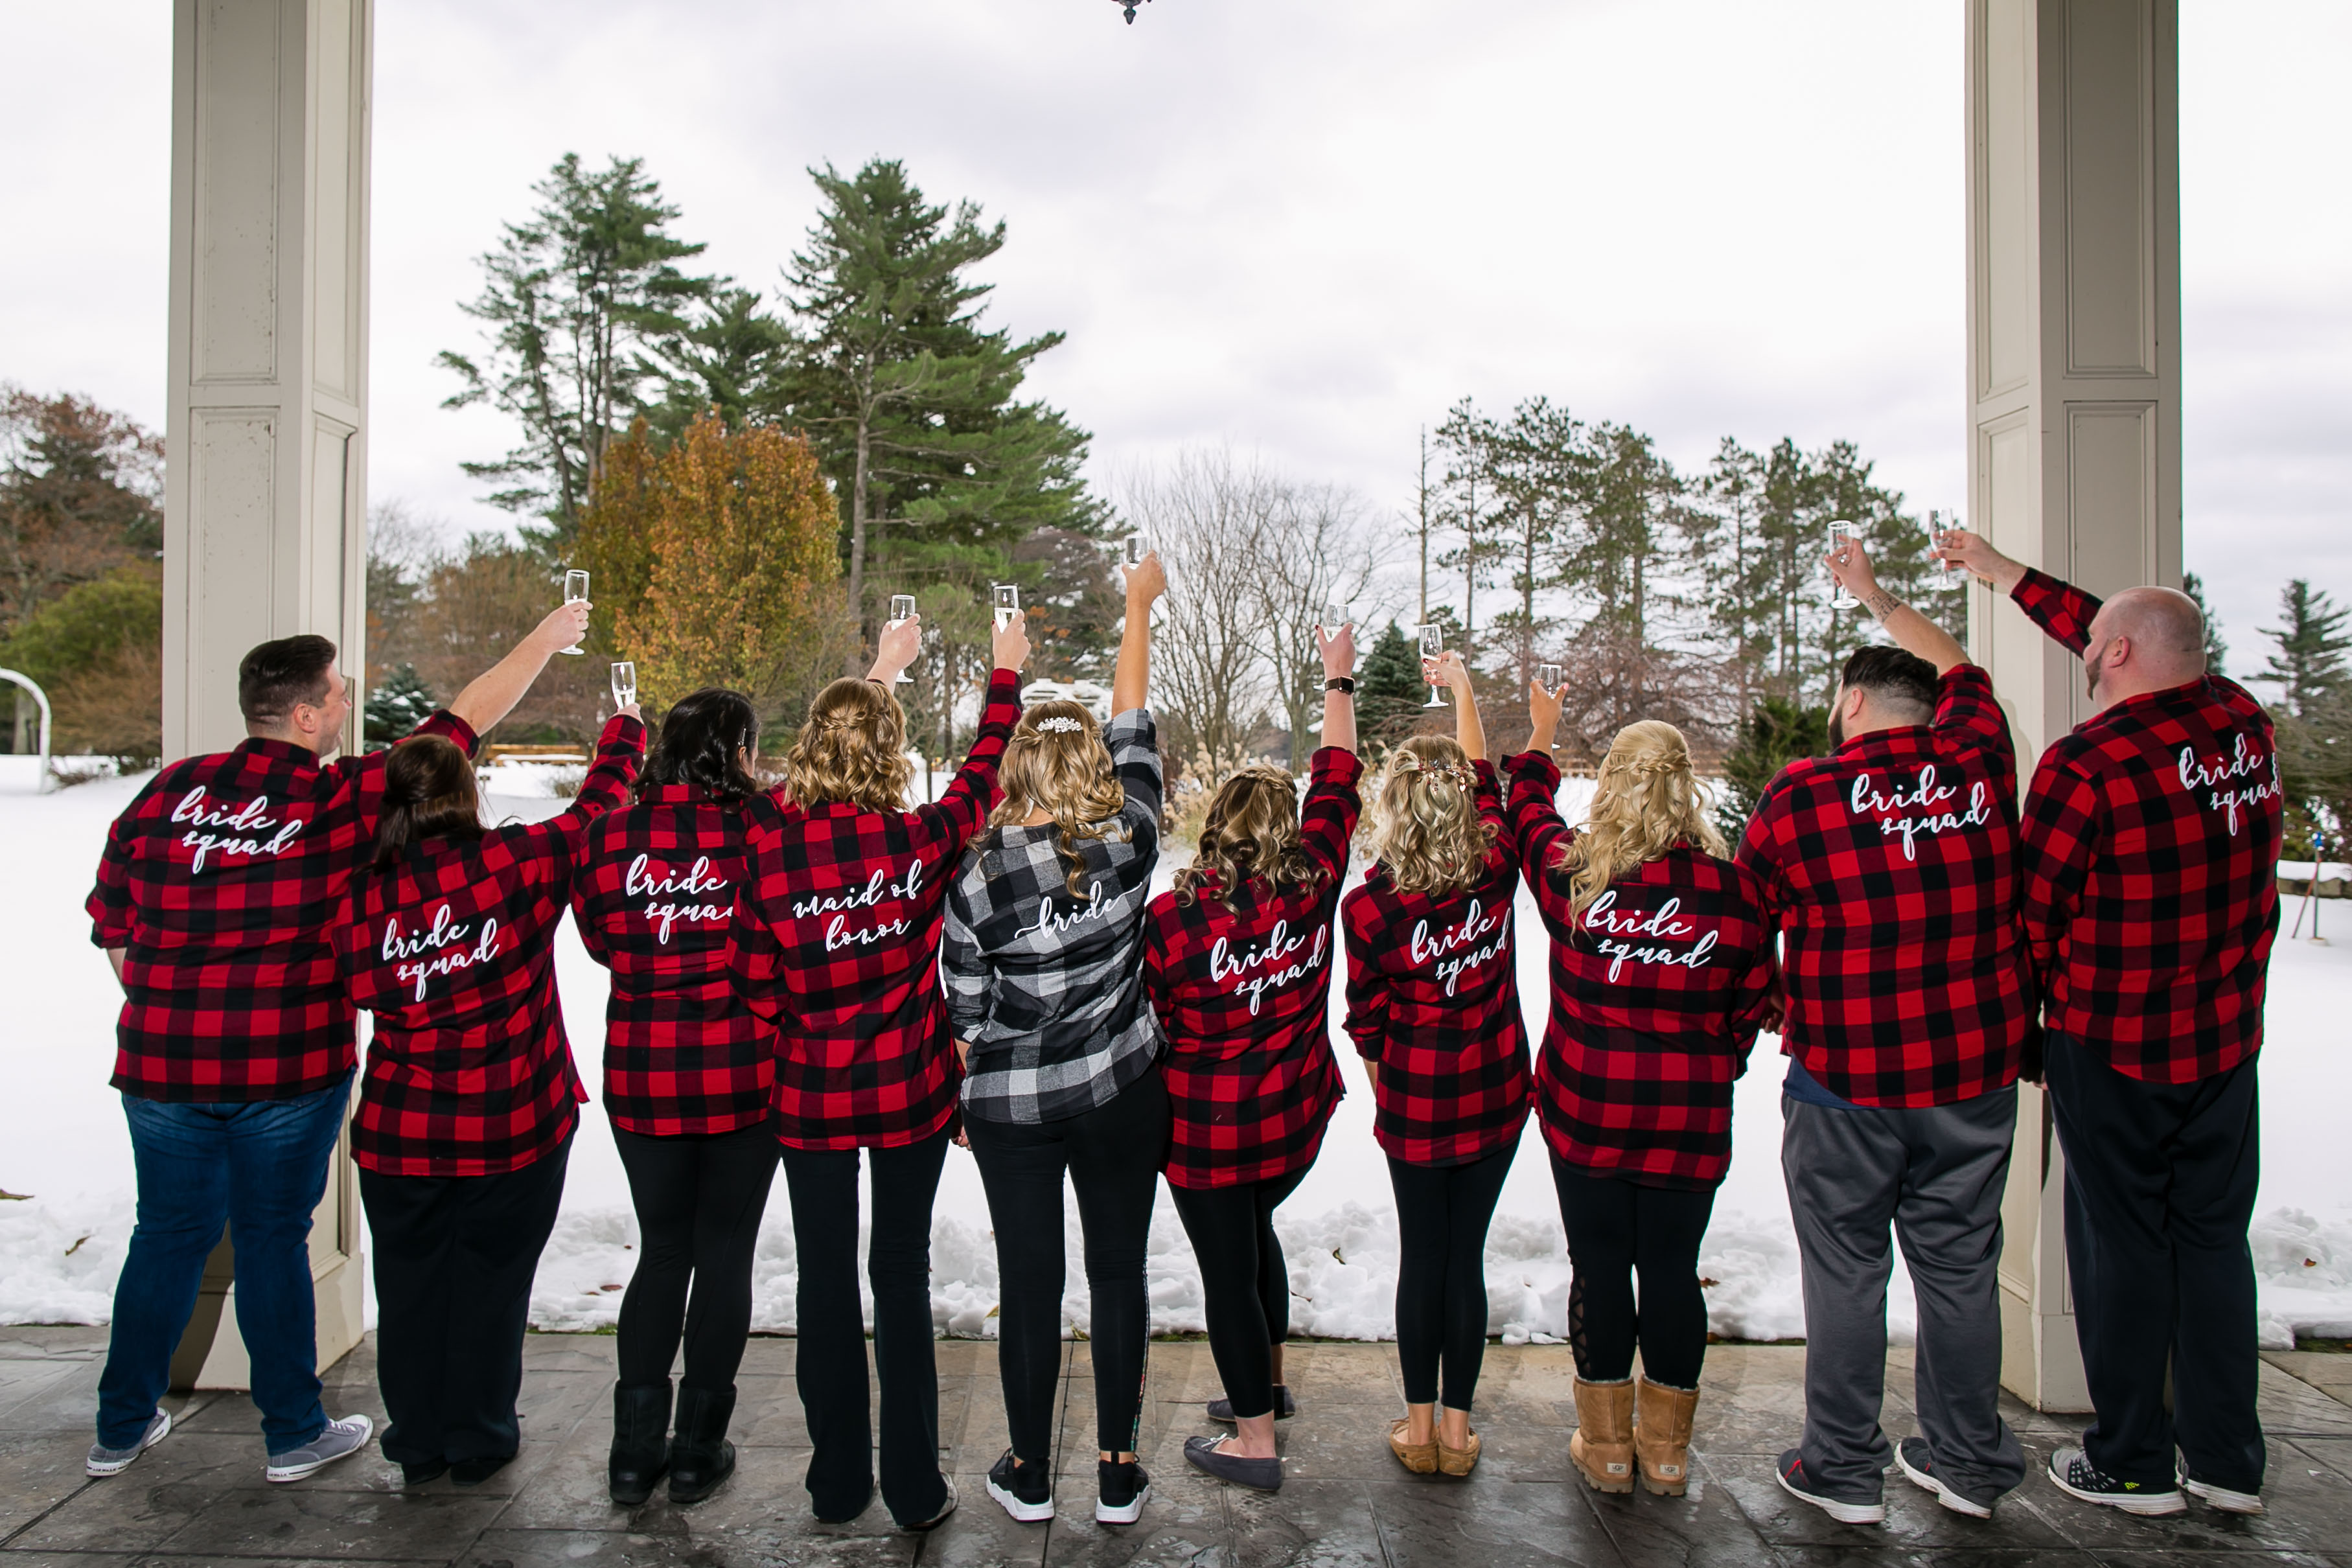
(1662, 1438)
(1603, 1448)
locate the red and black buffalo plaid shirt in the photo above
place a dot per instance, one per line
(654, 899)
(1244, 996)
(1434, 1002)
(220, 881)
(1658, 989)
(1891, 867)
(836, 943)
(453, 950)
(2151, 858)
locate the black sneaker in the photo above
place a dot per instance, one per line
(1124, 1490)
(1790, 1473)
(1285, 1408)
(1022, 1486)
(1911, 1456)
(2071, 1470)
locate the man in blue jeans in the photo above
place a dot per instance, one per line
(235, 1045)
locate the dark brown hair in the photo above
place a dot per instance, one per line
(1904, 682)
(276, 676)
(428, 793)
(704, 740)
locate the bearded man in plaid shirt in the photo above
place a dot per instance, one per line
(1891, 867)
(2152, 838)
(214, 897)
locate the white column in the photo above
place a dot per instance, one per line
(265, 496)
(2073, 118)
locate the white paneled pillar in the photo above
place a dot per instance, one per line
(2073, 120)
(264, 496)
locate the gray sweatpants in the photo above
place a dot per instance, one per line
(1936, 1175)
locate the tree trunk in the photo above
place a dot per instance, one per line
(858, 534)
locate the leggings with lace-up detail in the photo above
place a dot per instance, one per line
(1616, 1227)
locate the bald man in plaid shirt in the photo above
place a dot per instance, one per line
(2152, 835)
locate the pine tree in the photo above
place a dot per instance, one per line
(574, 299)
(2309, 661)
(1773, 735)
(725, 358)
(2216, 652)
(912, 405)
(397, 707)
(1388, 688)
(81, 496)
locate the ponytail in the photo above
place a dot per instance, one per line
(428, 793)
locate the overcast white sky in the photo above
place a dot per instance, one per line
(1299, 226)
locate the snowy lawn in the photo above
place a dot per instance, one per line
(62, 1142)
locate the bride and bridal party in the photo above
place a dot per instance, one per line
(813, 970)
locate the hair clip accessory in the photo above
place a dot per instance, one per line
(1059, 724)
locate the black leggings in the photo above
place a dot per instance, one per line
(1245, 1283)
(1442, 1212)
(830, 1369)
(1615, 1227)
(698, 1197)
(1113, 1154)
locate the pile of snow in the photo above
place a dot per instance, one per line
(62, 1141)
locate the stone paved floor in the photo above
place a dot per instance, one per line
(200, 1498)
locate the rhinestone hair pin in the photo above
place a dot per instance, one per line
(1059, 724)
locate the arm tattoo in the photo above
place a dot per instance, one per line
(1882, 604)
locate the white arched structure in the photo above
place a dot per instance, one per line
(40, 701)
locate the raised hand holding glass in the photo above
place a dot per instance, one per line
(624, 683)
(1842, 536)
(575, 592)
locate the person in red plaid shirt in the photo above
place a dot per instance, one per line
(688, 1078)
(468, 1100)
(235, 1049)
(1237, 963)
(1433, 1009)
(2152, 835)
(1662, 973)
(835, 946)
(1891, 867)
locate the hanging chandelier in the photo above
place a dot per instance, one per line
(1128, 6)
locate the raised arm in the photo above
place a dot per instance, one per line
(2063, 611)
(1975, 553)
(1339, 651)
(1913, 632)
(1131, 683)
(492, 695)
(1448, 671)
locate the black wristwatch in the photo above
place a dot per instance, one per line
(1345, 683)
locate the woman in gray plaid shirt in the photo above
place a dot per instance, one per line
(1043, 960)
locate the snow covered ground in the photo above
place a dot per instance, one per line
(62, 1144)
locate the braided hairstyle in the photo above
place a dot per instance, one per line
(1645, 802)
(1250, 834)
(1426, 828)
(853, 749)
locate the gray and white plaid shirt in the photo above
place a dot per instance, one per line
(1049, 989)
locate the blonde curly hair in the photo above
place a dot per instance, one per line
(1645, 802)
(1057, 764)
(1251, 833)
(851, 750)
(1426, 828)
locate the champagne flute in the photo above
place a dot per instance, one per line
(1841, 534)
(902, 610)
(1547, 677)
(1008, 604)
(575, 592)
(624, 682)
(1337, 617)
(1936, 541)
(1135, 550)
(1432, 646)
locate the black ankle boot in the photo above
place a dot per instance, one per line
(640, 1442)
(700, 1456)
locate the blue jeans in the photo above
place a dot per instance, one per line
(260, 1167)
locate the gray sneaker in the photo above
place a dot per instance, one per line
(340, 1440)
(106, 1461)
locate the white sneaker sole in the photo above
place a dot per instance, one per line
(284, 1473)
(1106, 1514)
(145, 1443)
(1843, 1512)
(1944, 1494)
(2223, 1498)
(1026, 1513)
(2147, 1505)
